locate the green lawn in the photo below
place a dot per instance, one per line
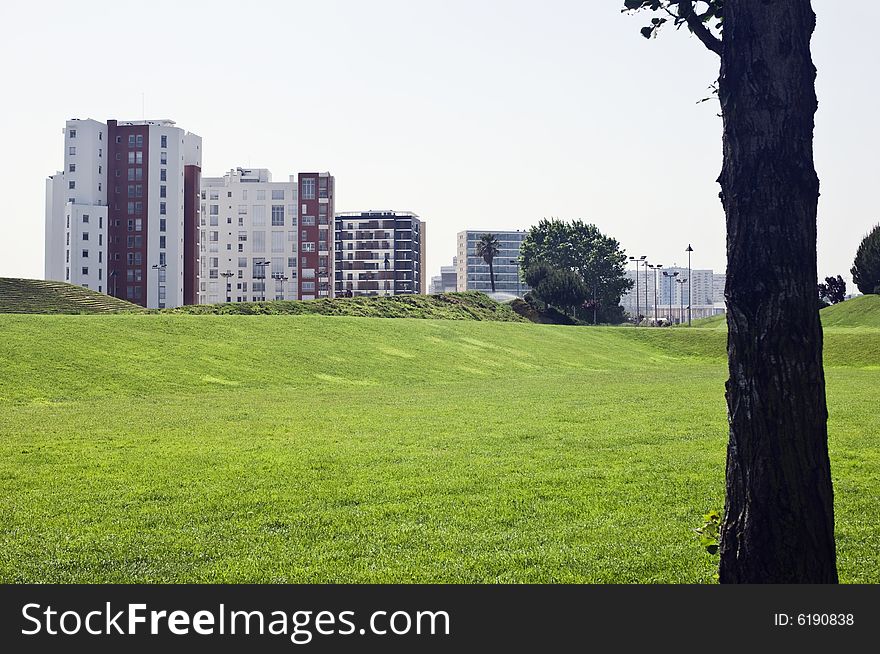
(179, 448)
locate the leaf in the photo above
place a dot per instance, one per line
(647, 32)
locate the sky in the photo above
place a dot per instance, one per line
(475, 114)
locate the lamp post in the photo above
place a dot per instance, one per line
(671, 276)
(283, 278)
(227, 275)
(637, 262)
(681, 283)
(158, 267)
(658, 267)
(262, 268)
(690, 295)
(113, 274)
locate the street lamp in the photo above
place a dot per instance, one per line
(682, 282)
(158, 267)
(112, 275)
(262, 274)
(671, 276)
(656, 268)
(690, 295)
(282, 278)
(227, 275)
(637, 262)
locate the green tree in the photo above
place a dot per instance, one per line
(563, 289)
(779, 510)
(833, 291)
(866, 267)
(582, 248)
(488, 248)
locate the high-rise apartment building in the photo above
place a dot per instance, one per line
(122, 217)
(316, 211)
(446, 281)
(379, 253)
(672, 297)
(249, 243)
(472, 272)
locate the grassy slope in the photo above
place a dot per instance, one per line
(471, 305)
(39, 296)
(861, 311)
(307, 448)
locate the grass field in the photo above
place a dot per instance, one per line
(138, 448)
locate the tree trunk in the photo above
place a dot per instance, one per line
(491, 275)
(779, 514)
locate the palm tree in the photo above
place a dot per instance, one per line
(488, 247)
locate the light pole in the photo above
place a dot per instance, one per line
(671, 276)
(690, 295)
(283, 278)
(656, 268)
(158, 267)
(113, 274)
(637, 262)
(681, 282)
(262, 266)
(227, 275)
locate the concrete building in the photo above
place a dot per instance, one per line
(122, 217)
(446, 281)
(249, 241)
(317, 193)
(380, 253)
(472, 273)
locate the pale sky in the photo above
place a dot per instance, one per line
(473, 114)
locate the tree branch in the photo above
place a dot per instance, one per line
(695, 23)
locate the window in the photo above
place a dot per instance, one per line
(131, 208)
(163, 141)
(214, 236)
(163, 192)
(85, 270)
(258, 215)
(307, 192)
(308, 221)
(85, 255)
(140, 140)
(291, 262)
(85, 219)
(162, 261)
(308, 286)
(85, 236)
(71, 184)
(131, 140)
(308, 247)
(242, 235)
(261, 194)
(322, 187)
(215, 221)
(72, 133)
(214, 209)
(277, 241)
(162, 209)
(214, 195)
(277, 215)
(163, 158)
(244, 194)
(119, 139)
(162, 242)
(258, 241)
(242, 210)
(163, 175)
(242, 262)
(278, 194)
(71, 168)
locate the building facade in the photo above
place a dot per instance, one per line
(446, 281)
(316, 261)
(122, 217)
(379, 253)
(472, 273)
(249, 244)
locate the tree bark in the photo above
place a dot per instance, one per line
(779, 514)
(492, 275)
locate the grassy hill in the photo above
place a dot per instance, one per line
(236, 448)
(39, 296)
(471, 305)
(863, 311)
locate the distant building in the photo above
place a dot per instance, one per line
(446, 281)
(472, 273)
(122, 217)
(380, 253)
(249, 237)
(672, 298)
(718, 282)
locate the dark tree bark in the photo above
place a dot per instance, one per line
(779, 514)
(492, 274)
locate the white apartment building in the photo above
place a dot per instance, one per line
(122, 217)
(249, 237)
(76, 208)
(672, 293)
